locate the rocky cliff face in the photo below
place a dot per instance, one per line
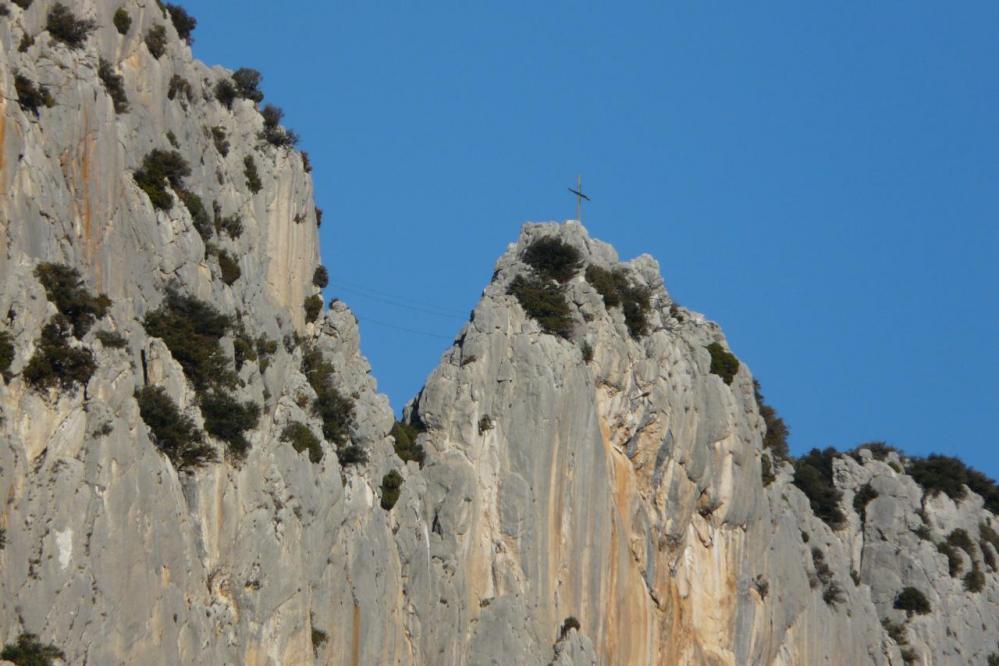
(594, 497)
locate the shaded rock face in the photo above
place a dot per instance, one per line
(616, 480)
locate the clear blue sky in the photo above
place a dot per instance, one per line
(820, 178)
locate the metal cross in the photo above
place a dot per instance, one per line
(579, 198)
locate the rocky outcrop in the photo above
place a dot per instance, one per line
(596, 497)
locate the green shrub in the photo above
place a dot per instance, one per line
(231, 225)
(3, 538)
(767, 475)
(183, 22)
(777, 433)
(23, 4)
(607, 283)
(813, 475)
(321, 278)
(989, 555)
(162, 169)
(180, 86)
(302, 439)
(29, 651)
(173, 433)
(336, 411)
(306, 163)
(313, 306)
(252, 176)
(228, 419)
(988, 534)
(723, 363)
(265, 349)
(156, 40)
(112, 339)
(220, 140)
(319, 217)
(923, 532)
(122, 21)
(30, 96)
(864, 495)
(911, 600)
(65, 289)
(27, 41)
(273, 133)
(895, 631)
(944, 474)
(405, 446)
(617, 290)
(6, 353)
(587, 351)
(485, 424)
(544, 302)
(959, 539)
(352, 455)
(391, 489)
(993, 659)
(319, 639)
(553, 259)
(879, 451)
(247, 82)
(55, 362)
(199, 216)
(114, 84)
(567, 625)
(64, 27)
(954, 563)
(229, 267)
(225, 92)
(974, 580)
(172, 138)
(191, 330)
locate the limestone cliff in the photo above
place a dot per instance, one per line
(595, 496)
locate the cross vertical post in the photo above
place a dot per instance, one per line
(579, 198)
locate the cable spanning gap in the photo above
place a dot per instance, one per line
(376, 322)
(398, 304)
(392, 299)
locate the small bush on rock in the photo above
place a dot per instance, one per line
(391, 489)
(777, 433)
(114, 84)
(162, 169)
(225, 93)
(544, 302)
(199, 216)
(954, 562)
(180, 86)
(156, 40)
(29, 651)
(864, 495)
(313, 306)
(252, 176)
(406, 447)
(23, 4)
(321, 278)
(723, 362)
(175, 434)
(220, 140)
(122, 21)
(273, 133)
(30, 97)
(813, 475)
(228, 419)
(183, 22)
(65, 289)
(974, 580)
(553, 259)
(6, 353)
(229, 267)
(302, 439)
(911, 600)
(57, 363)
(247, 82)
(112, 339)
(335, 410)
(65, 27)
(617, 290)
(945, 474)
(568, 624)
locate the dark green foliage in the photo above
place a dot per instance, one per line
(114, 84)
(3, 538)
(895, 631)
(391, 489)
(27, 41)
(273, 133)
(959, 539)
(243, 349)
(225, 93)
(248, 84)
(306, 163)
(993, 659)
(228, 420)
(864, 495)
(352, 455)
(321, 277)
(23, 4)
(767, 475)
(777, 431)
(911, 600)
(6, 353)
(30, 97)
(635, 303)
(199, 216)
(607, 283)
(65, 289)
(112, 339)
(156, 40)
(29, 651)
(617, 290)
(175, 434)
(923, 532)
(587, 352)
(183, 22)
(335, 410)
(406, 447)
(191, 330)
(55, 362)
(989, 535)
(265, 349)
(161, 169)
(485, 424)
(180, 86)
(974, 580)
(64, 27)
(813, 475)
(319, 217)
(938, 473)
(232, 225)
(229, 267)
(4, 10)
(544, 302)
(220, 140)
(122, 21)
(954, 563)
(319, 639)
(879, 451)
(989, 555)
(313, 306)
(252, 177)
(567, 625)
(553, 259)
(723, 362)
(302, 439)
(832, 593)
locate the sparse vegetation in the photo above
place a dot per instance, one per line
(23, 4)
(65, 289)
(813, 475)
(220, 140)
(306, 163)
(864, 496)
(27, 41)
(173, 433)
(568, 624)
(6, 353)
(162, 169)
(199, 216)
(617, 290)
(974, 580)
(553, 259)
(911, 600)
(122, 21)
(544, 302)
(391, 489)
(30, 96)
(29, 651)
(587, 351)
(231, 225)
(313, 306)
(945, 474)
(112, 339)
(321, 278)
(723, 362)
(57, 363)
(335, 410)
(156, 40)
(767, 475)
(228, 419)
(319, 217)
(777, 433)
(302, 439)
(65, 27)
(252, 176)
(832, 593)
(485, 424)
(183, 22)
(879, 451)
(273, 133)
(225, 93)
(993, 659)
(989, 537)
(247, 82)
(959, 539)
(229, 267)
(180, 86)
(954, 562)
(114, 84)
(406, 447)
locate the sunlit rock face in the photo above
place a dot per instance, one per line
(590, 498)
